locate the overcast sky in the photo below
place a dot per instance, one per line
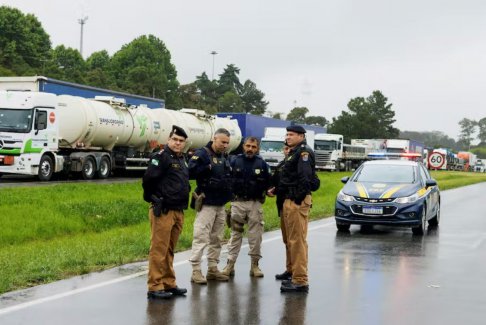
(427, 56)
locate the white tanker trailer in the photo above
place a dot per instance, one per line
(42, 134)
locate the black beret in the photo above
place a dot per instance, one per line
(179, 131)
(295, 128)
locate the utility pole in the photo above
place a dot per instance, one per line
(213, 53)
(82, 21)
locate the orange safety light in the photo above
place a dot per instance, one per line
(8, 160)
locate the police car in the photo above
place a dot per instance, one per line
(389, 192)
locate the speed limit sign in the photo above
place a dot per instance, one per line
(436, 160)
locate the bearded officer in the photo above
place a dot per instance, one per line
(166, 186)
(296, 184)
(250, 182)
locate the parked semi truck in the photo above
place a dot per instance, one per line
(42, 134)
(333, 154)
(59, 87)
(469, 160)
(271, 145)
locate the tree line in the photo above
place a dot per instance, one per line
(144, 67)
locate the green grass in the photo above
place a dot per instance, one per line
(53, 232)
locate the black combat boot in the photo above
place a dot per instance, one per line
(283, 276)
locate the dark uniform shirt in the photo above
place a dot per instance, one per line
(212, 172)
(250, 177)
(297, 172)
(275, 182)
(167, 176)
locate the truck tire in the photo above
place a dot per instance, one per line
(105, 168)
(46, 168)
(88, 171)
(338, 166)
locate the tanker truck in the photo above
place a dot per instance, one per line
(43, 134)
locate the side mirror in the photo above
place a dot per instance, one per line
(430, 183)
(344, 180)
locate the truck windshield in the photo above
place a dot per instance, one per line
(325, 145)
(266, 145)
(15, 120)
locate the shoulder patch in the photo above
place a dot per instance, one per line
(155, 162)
(195, 157)
(305, 156)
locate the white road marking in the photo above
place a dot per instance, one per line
(122, 279)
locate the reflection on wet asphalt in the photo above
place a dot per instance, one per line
(367, 276)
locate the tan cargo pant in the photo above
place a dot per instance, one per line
(251, 213)
(164, 233)
(288, 260)
(208, 231)
(296, 218)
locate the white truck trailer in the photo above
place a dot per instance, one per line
(333, 154)
(42, 134)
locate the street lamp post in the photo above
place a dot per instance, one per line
(82, 21)
(213, 53)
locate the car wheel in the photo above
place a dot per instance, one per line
(434, 222)
(421, 229)
(46, 169)
(343, 227)
(105, 168)
(89, 168)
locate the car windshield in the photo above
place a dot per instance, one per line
(325, 145)
(266, 145)
(386, 174)
(15, 120)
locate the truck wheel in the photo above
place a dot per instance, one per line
(89, 168)
(46, 169)
(105, 168)
(338, 166)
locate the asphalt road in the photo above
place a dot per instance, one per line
(382, 276)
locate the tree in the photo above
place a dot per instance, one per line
(229, 80)
(144, 67)
(316, 120)
(66, 64)
(252, 99)
(370, 118)
(24, 45)
(297, 114)
(431, 139)
(482, 131)
(468, 127)
(98, 74)
(230, 102)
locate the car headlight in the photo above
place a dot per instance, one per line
(407, 199)
(344, 197)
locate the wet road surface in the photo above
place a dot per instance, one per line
(380, 276)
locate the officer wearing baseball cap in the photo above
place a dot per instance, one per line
(296, 184)
(166, 187)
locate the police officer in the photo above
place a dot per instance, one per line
(166, 186)
(211, 169)
(296, 183)
(250, 182)
(275, 190)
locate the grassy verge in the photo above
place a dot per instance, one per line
(53, 232)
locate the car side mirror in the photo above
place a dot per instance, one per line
(344, 180)
(430, 183)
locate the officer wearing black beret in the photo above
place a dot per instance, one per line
(166, 187)
(296, 184)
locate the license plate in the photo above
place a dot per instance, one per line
(373, 210)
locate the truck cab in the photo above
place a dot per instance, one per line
(328, 149)
(28, 133)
